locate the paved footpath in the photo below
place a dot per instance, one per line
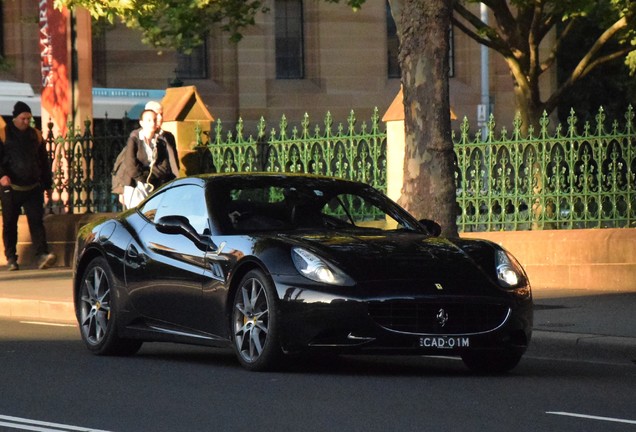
(570, 324)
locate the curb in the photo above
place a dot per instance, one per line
(61, 312)
(580, 346)
(25, 295)
(50, 273)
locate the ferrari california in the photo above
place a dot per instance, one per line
(276, 265)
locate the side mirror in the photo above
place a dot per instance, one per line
(432, 227)
(175, 224)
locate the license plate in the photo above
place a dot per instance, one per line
(444, 342)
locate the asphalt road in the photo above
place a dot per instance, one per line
(48, 376)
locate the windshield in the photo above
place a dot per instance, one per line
(268, 204)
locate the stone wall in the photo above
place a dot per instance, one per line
(60, 233)
(599, 259)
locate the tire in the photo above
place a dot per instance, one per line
(491, 362)
(254, 323)
(97, 312)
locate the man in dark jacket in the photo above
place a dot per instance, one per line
(25, 174)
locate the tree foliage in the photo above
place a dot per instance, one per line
(608, 85)
(178, 24)
(520, 28)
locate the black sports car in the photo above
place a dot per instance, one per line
(278, 264)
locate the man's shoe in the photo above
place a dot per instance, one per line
(13, 265)
(46, 260)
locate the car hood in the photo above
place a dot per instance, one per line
(438, 263)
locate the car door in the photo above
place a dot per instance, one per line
(165, 272)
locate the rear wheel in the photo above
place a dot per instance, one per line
(254, 323)
(491, 362)
(97, 312)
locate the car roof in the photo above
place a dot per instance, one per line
(201, 179)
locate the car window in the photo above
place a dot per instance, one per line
(149, 209)
(187, 200)
(261, 194)
(256, 208)
(356, 210)
(249, 207)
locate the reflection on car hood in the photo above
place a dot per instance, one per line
(399, 256)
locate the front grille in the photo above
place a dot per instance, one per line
(412, 316)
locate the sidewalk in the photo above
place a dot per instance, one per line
(568, 324)
(31, 294)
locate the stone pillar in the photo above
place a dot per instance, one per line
(395, 140)
(395, 143)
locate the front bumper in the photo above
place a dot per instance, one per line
(402, 322)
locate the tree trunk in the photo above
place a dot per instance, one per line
(429, 163)
(528, 105)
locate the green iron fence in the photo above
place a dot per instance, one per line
(349, 152)
(561, 180)
(540, 180)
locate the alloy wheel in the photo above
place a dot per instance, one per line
(95, 305)
(251, 320)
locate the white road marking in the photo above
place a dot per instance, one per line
(40, 426)
(591, 417)
(42, 323)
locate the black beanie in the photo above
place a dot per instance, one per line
(19, 108)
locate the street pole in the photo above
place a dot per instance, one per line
(483, 112)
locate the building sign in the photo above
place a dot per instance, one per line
(54, 65)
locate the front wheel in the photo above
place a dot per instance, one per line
(97, 312)
(254, 323)
(491, 362)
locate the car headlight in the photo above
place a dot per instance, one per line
(315, 268)
(509, 271)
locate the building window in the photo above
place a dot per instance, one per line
(393, 47)
(100, 28)
(290, 61)
(193, 65)
(99, 56)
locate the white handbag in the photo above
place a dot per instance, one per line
(133, 195)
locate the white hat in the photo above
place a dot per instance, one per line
(154, 106)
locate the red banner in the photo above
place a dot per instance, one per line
(54, 65)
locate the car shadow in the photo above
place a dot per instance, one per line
(318, 364)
